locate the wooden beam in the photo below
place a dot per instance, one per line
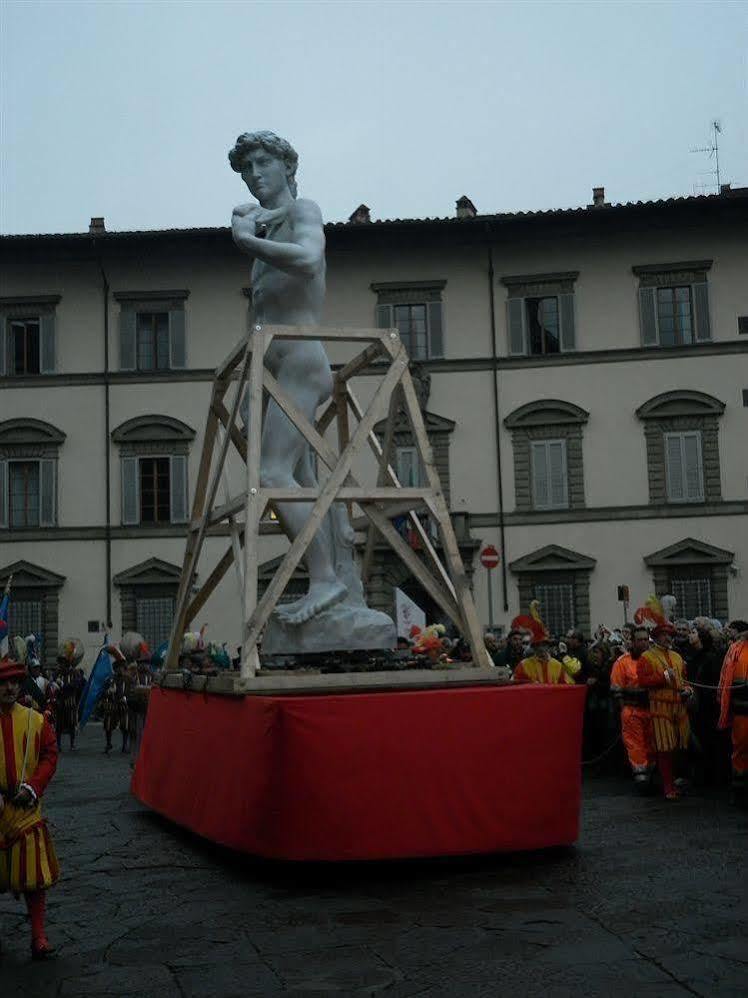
(359, 362)
(202, 596)
(382, 477)
(236, 435)
(338, 475)
(249, 658)
(233, 358)
(323, 333)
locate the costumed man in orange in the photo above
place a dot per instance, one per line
(733, 694)
(663, 672)
(636, 720)
(541, 667)
(28, 759)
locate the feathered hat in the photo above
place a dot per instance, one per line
(532, 623)
(655, 614)
(11, 670)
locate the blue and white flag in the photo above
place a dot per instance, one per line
(4, 604)
(97, 682)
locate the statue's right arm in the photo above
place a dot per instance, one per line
(301, 257)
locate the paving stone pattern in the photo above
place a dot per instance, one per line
(652, 902)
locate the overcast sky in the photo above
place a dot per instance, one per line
(127, 110)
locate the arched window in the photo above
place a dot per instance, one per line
(153, 464)
(29, 450)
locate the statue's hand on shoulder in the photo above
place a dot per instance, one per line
(254, 220)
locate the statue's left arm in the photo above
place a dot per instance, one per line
(301, 257)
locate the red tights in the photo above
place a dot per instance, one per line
(665, 766)
(36, 903)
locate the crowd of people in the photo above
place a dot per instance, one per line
(672, 694)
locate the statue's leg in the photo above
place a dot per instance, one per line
(282, 449)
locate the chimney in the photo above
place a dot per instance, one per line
(96, 226)
(465, 208)
(598, 197)
(360, 216)
(724, 188)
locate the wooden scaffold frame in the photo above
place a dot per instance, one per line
(445, 580)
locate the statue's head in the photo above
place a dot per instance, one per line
(273, 144)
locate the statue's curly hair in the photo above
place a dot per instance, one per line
(270, 142)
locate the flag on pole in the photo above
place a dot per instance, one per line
(4, 605)
(97, 682)
(408, 613)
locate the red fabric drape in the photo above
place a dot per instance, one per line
(368, 775)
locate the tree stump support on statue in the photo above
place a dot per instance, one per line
(441, 574)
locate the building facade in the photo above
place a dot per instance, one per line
(583, 375)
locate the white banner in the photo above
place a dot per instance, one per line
(408, 614)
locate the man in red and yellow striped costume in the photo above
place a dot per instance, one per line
(663, 673)
(733, 693)
(28, 759)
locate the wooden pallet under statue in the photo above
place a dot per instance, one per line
(443, 577)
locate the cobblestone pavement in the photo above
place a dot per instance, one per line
(651, 902)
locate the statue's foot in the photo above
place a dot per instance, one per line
(321, 596)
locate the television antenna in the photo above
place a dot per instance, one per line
(713, 150)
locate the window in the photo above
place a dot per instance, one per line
(685, 477)
(28, 474)
(543, 325)
(23, 493)
(694, 596)
(24, 347)
(155, 489)
(549, 479)
(27, 335)
(152, 330)
(414, 308)
(25, 617)
(408, 467)
(743, 325)
(674, 303)
(557, 603)
(540, 313)
(154, 617)
(153, 341)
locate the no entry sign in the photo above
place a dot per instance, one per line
(489, 557)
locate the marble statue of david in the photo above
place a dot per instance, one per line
(285, 237)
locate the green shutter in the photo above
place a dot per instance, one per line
(384, 317)
(47, 345)
(436, 329)
(701, 310)
(3, 494)
(127, 319)
(130, 507)
(178, 488)
(674, 467)
(515, 324)
(48, 490)
(568, 338)
(176, 338)
(540, 476)
(4, 338)
(648, 316)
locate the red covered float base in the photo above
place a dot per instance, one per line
(368, 775)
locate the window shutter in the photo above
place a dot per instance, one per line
(4, 338)
(674, 467)
(540, 492)
(384, 317)
(176, 338)
(3, 494)
(127, 318)
(566, 306)
(130, 510)
(47, 345)
(557, 490)
(48, 490)
(436, 329)
(648, 316)
(515, 308)
(178, 488)
(701, 310)
(693, 476)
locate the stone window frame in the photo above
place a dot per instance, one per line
(39, 307)
(681, 411)
(439, 430)
(31, 440)
(32, 582)
(424, 292)
(153, 436)
(151, 578)
(691, 273)
(133, 302)
(558, 284)
(547, 419)
(553, 563)
(699, 559)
